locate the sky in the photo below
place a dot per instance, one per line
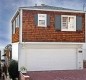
(9, 7)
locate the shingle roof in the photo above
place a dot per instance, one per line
(43, 6)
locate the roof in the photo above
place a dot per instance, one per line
(44, 7)
(47, 7)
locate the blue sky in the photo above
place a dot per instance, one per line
(9, 7)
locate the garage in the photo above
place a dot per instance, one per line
(50, 59)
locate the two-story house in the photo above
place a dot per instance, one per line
(48, 38)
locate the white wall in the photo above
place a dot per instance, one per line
(15, 51)
(21, 57)
(84, 46)
(84, 51)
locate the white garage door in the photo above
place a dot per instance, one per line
(50, 59)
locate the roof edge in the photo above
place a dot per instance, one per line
(76, 11)
(16, 12)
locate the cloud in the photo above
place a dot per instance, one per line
(5, 33)
(3, 43)
(47, 2)
(38, 2)
(72, 4)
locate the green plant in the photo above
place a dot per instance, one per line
(13, 69)
(23, 68)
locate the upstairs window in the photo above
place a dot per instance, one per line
(13, 26)
(68, 23)
(42, 20)
(15, 23)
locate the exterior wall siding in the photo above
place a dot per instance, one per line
(15, 37)
(33, 33)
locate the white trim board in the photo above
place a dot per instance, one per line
(48, 45)
(20, 30)
(52, 43)
(85, 27)
(52, 10)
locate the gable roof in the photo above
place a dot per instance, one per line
(44, 7)
(47, 7)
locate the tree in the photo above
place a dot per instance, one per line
(13, 69)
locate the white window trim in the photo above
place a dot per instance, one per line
(74, 29)
(20, 29)
(17, 20)
(45, 25)
(15, 23)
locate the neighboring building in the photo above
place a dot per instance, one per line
(48, 38)
(8, 54)
(2, 60)
(2, 53)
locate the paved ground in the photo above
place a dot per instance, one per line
(58, 75)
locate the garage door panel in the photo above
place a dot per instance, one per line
(51, 59)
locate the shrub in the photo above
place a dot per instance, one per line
(13, 69)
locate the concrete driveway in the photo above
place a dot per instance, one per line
(58, 75)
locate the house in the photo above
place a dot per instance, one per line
(48, 38)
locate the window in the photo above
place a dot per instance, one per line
(15, 23)
(13, 26)
(68, 23)
(42, 20)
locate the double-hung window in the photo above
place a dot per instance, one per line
(42, 20)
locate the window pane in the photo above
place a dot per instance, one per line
(17, 21)
(71, 22)
(65, 23)
(41, 22)
(13, 24)
(65, 19)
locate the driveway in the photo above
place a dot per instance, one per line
(58, 75)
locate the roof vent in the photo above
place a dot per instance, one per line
(35, 4)
(42, 4)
